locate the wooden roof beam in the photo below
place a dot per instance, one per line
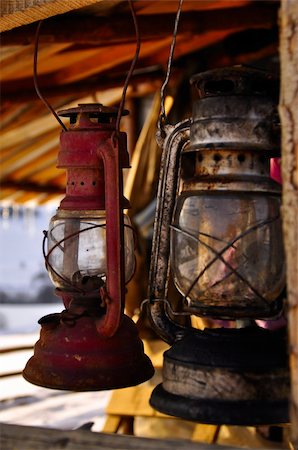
(119, 29)
(26, 186)
(18, 13)
(107, 59)
(23, 91)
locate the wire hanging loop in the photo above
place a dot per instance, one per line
(168, 305)
(44, 100)
(163, 117)
(130, 72)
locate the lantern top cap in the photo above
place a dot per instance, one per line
(91, 108)
(236, 80)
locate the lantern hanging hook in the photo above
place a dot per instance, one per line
(42, 98)
(163, 117)
(132, 67)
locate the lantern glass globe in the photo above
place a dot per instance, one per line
(226, 252)
(77, 250)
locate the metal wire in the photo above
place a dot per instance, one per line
(166, 302)
(218, 255)
(58, 245)
(128, 77)
(163, 117)
(132, 67)
(44, 100)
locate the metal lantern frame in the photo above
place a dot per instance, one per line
(250, 359)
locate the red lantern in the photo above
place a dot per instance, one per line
(92, 344)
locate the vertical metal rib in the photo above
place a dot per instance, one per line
(176, 139)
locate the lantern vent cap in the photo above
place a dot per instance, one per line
(91, 108)
(236, 80)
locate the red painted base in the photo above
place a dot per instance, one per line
(77, 358)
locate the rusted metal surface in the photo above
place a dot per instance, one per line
(94, 181)
(228, 376)
(246, 116)
(235, 109)
(230, 158)
(82, 154)
(91, 345)
(94, 110)
(234, 132)
(222, 376)
(72, 355)
(176, 139)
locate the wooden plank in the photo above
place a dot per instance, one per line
(46, 175)
(150, 6)
(29, 198)
(34, 438)
(46, 123)
(23, 65)
(28, 152)
(12, 363)
(105, 59)
(11, 341)
(22, 90)
(29, 132)
(133, 401)
(30, 405)
(289, 119)
(6, 192)
(49, 60)
(198, 43)
(8, 52)
(13, 117)
(16, 349)
(205, 433)
(112, 424)
(15, 13)
(60, 179)
(50, 199)
(15, 53)
(42, 162)
(25, 187)
(118, 30)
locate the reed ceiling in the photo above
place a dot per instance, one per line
(84, 55)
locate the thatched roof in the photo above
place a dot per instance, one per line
(86, 48)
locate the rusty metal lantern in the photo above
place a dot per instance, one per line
(92, 344)
(221, 240)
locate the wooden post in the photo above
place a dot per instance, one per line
(14, 437)
(289, 119)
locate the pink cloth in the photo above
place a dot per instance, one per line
(275, 173)
(272, 324)
(275, 169)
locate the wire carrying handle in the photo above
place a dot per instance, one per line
(166, 302)
(130, 72)
(42, 98)
(128, 77)
(163, 117)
